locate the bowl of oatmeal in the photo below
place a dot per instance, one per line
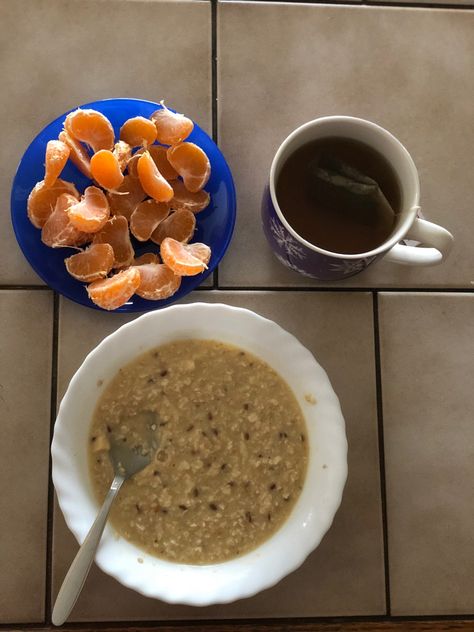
(248, 453)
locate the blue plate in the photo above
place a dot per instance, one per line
(215, 224)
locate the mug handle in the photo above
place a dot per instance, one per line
(438, 238)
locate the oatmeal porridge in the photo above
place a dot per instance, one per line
(229, 449)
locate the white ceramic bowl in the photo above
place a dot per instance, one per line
(313, 512)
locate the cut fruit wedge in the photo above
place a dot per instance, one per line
(106, 171)
(151, 179)
(56, 157)
(116, 233)
(58, 231)
(179, 225)
(147, 257)
(158, 153)
(185, 200)
(138, 131)
(185, 259)
(192, 164)
(115, 291)
(123, 153)
(91, 265)
(157, 281)
(90, 127)
(78, 156)
(126, 198)
(171, 127)
(146, 217)
(92, 212)
(42, 200)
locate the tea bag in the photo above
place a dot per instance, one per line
(344, 189)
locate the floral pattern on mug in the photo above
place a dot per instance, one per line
(286, 241)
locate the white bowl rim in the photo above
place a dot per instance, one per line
(259, 569)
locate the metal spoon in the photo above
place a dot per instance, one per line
(126, 462)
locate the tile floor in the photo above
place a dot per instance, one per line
(401, 361)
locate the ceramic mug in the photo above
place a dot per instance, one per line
(304, 257)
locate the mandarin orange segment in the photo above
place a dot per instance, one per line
(92, 212)
(123, 153)
(171, 128)
(157, 281)
(138, 131)
(146, 217)
(147, 257)
(115, 291)
(58, 232)
(90, 127)
(92, 264)
(42, 200)
(179, 225)
(105, 169)
(78, 156)
(158, 153)
(125, 199)
(56, 157)
(185, 259)
(185, 200)
(192, 164)
(151, 179)
(116, 233)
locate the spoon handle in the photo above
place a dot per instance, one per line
(79, 569)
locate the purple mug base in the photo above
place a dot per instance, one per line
(298, 257)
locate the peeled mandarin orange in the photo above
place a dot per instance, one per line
(123, 153)
(116, 233)
(157, 281)
(191, 163)
(90, 127)
(56, 157)
(185, 200)
(185, 259)
(121, 204)
(115, 291)
(151, 179)
(106, 170)
(171, 127)
(147, 257)
(92, 212)
(58, 232)
(133, 162)
(158, 153)
(179, 225)
(138, 131)
(78, 156)
(42, 200)
(92, 264)
(146, 217)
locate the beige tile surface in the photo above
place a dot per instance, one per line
(427, 357)
(70, 52)
(25, 387)
(410, 70)
(345, 575)
(453, 3)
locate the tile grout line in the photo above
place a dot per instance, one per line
(302, 288)
(215, 131)
(214, 625)
(375, 3)
(53, 406)
(381, 446)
